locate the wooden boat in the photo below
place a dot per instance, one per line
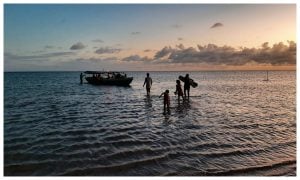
(107, 78)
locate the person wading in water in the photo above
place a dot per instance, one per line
(178, 90)
(166, 101)
(148, 82)
(81, 78)
(187, 86)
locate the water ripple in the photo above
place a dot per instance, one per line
(234, 124)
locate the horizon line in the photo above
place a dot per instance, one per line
(143, 71)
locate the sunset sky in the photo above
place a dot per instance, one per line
(149, 37)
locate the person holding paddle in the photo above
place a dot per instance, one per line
(187, 85)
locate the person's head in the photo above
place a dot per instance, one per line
(187, 75)
(167, 91)
(177, 81)
(147, 74)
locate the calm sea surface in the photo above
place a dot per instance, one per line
(234, 124)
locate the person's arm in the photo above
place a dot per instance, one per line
(161, 95)
(151, 81)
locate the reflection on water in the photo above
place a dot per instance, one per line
(234, 124)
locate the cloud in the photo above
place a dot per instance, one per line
(216, 25)
(136, 58)
(77, 46)
(49, 47)
(163, 52)
(278, 54)
(176, 26)
(11, 56)
(94, 60)
(180, 46)
(107, 50)
(97, 41)
(135, 33)
(38, 51)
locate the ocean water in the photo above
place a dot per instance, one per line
(235, 124)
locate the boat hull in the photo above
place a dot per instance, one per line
(110, 82)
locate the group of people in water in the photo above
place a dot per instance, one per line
(184, 94)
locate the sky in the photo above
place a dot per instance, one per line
(149, 37)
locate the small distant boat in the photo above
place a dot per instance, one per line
(107, 78)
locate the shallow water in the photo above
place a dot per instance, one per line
(234, 124)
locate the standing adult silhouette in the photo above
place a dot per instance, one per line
(148, 83)
(187, 85)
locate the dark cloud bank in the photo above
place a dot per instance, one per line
(278, 54)
(210, 54)
(77, 46)
(107, 50)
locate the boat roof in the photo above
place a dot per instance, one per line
(102, 72)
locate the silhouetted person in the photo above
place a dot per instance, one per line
(166, 100)
(81, 78)
(178, 91)
(187, 85)
(148, 82)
